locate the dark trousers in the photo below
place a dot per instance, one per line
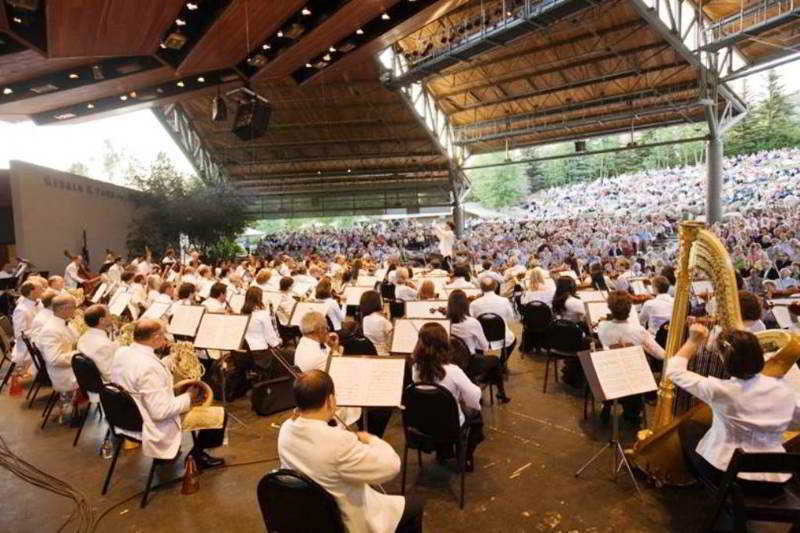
(411, 521)
(376, 418)
(487, 368)
(210, 438)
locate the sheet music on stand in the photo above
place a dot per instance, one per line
(352, 295)
(119, 302)
(304, 307)
(425, 309)
(271, 297)
(156, 310)
(367, 281)
(367, 381)
(186, 319)
(597, 310)
(221, 332)
(638, 287)
(783, 317)
(100, 292)
(301, 289)
(592, 296)
(406, 333)
(614, 374)
(237, 302)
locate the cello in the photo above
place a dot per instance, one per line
(92, 280)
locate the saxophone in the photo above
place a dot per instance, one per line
(658, 450)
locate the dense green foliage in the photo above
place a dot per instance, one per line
(172, 205)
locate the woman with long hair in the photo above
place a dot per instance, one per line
(375, 325)
(469, 330)
(566, 303)
(260, 330)
(536, 289)
(429, 366)
(334, 312)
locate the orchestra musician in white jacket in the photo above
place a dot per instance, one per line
(138, 370)
(344, 463)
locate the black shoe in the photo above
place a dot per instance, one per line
(502, 398)
(205, 460)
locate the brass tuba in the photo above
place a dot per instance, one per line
(658, 451)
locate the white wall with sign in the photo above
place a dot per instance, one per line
(51, 209)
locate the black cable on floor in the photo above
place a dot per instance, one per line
(108, 510)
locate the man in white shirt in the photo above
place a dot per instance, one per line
(488, 272)
(95, 343)
(493, 303)
(22, 320)
(313, 350)
(44, 314)
(344, 463)
(57, 343)
(446, 238)
(658, 310)
(460, 273)
(72, 279)
(215, 303)
(403, 290)
(138, 370)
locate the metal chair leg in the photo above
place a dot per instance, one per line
(149, 482)
(83, 423)
(8, 375)
(51, 404)
(34, 386)
(462, 463)
(35, 394)
(403, 475)
(546, 373)
(117, 446)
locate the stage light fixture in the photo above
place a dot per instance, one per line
(175, 40)
(17, 20)
(201, 79)
(306, 11)
(257, 61)
(180, 22)
(89, 106)
(309, 65)
(190, 6)
(266, 46)
(385, 16)
(326, 57)
(359, 31)
(74, 76)
(133, 94)
(280, 34)
(8, 90)
(180, 84)
(332, 49)
(123, 97)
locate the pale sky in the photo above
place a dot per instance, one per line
(138, 134)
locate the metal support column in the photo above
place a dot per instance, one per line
(458, 217)
(714, 179)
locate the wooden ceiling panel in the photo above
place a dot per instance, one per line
(366, 53)
(349, 18)
(30, 64)
(39, 104)
(80, 28)
(226, 42)
(3, 19)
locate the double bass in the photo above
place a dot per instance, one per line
(92, 280)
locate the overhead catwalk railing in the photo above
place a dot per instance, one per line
(499, 23)
(750, 22)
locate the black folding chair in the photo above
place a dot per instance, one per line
(536, 319)
(784, 507)
(42, 379)
(430, 420)
(461, 356)
(123, 413)
(494, 327)
(291, 502)
(565, 340)
(358, 345)
(89, 380)
(387, 290)
(5, 347)
(397, 309)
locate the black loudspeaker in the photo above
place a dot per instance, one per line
(272, 396)
(252, 119)
(580, 146)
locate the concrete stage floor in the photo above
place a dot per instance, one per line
(543, 437)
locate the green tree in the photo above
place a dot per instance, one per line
(744, 137)
(776, 121)
(79, 168)
(501, 186)
(171, 205)
(533, 170)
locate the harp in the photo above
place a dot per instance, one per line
(658, 451)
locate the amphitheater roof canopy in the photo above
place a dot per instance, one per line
(345, 135)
